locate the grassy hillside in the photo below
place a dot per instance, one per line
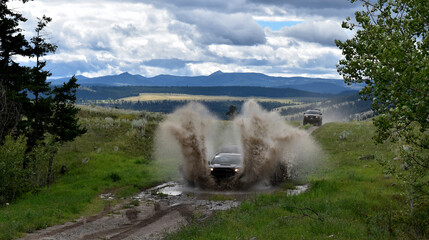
(150, 97)
(114, 156)
(101, 92)
(346, 108)
(168, 103)
(349, 198)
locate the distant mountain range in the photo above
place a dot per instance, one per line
(318, 85)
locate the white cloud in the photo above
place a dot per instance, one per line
(219, 28)
(187, 37)
(323, 32)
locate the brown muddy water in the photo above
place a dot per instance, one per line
(188, 139)
(191, 136)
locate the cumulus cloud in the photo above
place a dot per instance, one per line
(126, 30)
(307, 4)
(230, 6)
(190, 37)
(218, 28)
(173, 63)
(323, 32)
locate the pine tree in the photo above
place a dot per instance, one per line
(13, 77)
(42, 110)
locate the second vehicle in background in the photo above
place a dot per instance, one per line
(313, 116)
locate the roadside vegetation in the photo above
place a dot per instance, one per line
(55, 162)
(114, 156)
(349, 198)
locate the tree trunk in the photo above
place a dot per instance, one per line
(51, 163)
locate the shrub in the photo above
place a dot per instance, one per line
(12, 176)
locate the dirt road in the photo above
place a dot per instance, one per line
(151, 214)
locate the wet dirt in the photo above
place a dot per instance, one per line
(154, 212)
(165, 208)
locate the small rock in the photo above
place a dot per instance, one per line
(254, 238)
(107, 196)
(343, 135)
(85, 160)
(331, 236)
(365, 166)
(393, 184)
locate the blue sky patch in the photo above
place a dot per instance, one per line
(275, 26)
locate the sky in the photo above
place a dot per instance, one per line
(191, 37)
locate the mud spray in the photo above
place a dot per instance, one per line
(192, 135)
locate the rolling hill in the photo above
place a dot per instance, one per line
(106, 92)
(216, 79)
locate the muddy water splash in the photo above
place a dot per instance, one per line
(192, 135)
(189, 127)
(268, 143)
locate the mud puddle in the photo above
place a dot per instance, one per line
(175, 188)
(178, 193)
(154, 212)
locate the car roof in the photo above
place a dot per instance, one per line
(313, 110)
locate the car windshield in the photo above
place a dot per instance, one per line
(227, 159)
(312, 112)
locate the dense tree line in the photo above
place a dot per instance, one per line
(102, 92)
(35, 118)
(218, 108)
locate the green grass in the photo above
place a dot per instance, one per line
(107, 159)
(352, 198)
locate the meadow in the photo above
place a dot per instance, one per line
(115, 156)
(349, 197)
(143, 97)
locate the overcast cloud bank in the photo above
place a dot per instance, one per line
(191, 37)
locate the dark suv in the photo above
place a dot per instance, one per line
(313, 116)
(226, 163)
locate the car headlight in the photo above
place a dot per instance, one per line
(236, 170)
(211, 169)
